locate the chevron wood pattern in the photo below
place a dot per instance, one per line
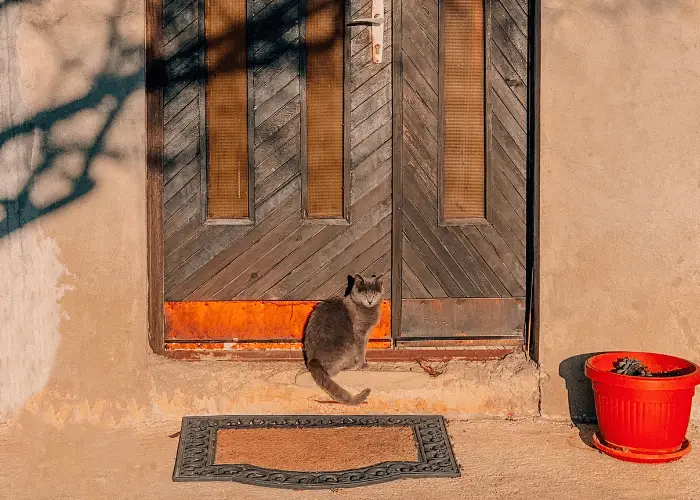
(478, 260)
(280, 256)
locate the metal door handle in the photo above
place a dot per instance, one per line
(376, 24)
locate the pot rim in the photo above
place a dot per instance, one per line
(680, 382)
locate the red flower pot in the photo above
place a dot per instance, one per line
(643, 419)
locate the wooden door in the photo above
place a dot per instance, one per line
(460, 220)
(277, 165)
(292, 161)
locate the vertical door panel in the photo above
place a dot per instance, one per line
(277, 253)
(463, 168)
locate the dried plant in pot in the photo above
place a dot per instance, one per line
(643, 403)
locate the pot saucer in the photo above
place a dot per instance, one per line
(632, 456)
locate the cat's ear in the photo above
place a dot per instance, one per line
(359, 280)
(379, 280)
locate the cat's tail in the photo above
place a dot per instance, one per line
(332, 388)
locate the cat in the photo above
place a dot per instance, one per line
(336, 335)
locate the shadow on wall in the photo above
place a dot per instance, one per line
(122, 74)
(579, 389)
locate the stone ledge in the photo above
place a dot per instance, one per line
(377, 378)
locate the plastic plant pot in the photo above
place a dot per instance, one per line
(643, 419)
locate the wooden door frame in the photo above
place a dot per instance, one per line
(154, 204)
(154, 174)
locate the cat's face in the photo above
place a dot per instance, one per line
(367, 291)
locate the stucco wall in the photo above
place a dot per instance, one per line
(73, 281)
(620, 185)
(619, 221)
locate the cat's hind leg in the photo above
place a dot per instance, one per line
(361, 362)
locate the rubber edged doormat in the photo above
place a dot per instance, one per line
(313, 452)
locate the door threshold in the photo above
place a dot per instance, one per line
(474, 351)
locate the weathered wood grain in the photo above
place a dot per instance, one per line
(170, 10)
(435, 241)
(181, 40)
(214, 256)
(289, 111)
(366, 263)
(371, 124)
(261, 288)
(188, 231)
(413, 259)
(329, 252)
(179, 178)
(483, 260)
(268, 108)
(286, 152)
(244, 252)
(509, 95)
(505, 73)
(509, 122)
(463, 317)
(177, 200)
(500, 15)
(510, 52)
(362, 185)
(517, 13)
(154, 175)
(219, 262)
(262, 264)
(182, 215)
(180, 21)
(508, 144)
(465, 256)
(178, 101)
(365, 110)
(353, 258)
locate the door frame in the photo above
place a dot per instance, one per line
(457, 349)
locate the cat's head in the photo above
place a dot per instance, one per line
(367, 291)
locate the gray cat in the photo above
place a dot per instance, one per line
(336, 335)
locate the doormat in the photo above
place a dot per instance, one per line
(313, 452)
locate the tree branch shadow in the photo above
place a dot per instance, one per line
(122, 75)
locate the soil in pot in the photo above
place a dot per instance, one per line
(635, 368)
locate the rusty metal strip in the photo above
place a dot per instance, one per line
(246, 321)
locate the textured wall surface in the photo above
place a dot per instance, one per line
(620, 186)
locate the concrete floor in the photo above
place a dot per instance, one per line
(531, 459)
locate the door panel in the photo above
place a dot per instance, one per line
(462, 256)
(465, 317)
(277, 254)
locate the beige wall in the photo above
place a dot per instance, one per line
(74, 296)
(620, 182)
(619, 222)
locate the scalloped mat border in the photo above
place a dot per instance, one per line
(197, 444)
